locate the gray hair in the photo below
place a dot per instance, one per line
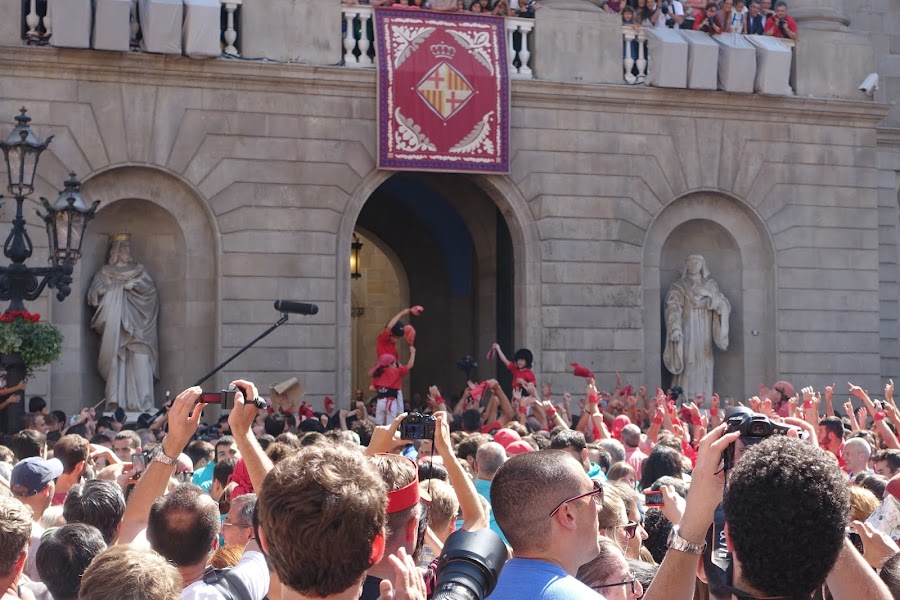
(242, 508)
(490, 457)
(615, 449)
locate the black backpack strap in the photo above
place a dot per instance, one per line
(227, 582)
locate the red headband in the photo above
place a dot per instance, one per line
(408, 495)
(405, 497)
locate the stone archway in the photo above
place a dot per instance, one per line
(741, 254)
(175, 237)
(522, 230)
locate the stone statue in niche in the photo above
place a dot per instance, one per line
(127, 307)
(696, 314)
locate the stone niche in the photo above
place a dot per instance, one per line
(723, 259)
(740, 257)
(173, 238)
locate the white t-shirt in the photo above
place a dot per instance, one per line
(676, 8)
(252, 571)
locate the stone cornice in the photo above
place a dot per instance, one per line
(889, 137)
(252, 75)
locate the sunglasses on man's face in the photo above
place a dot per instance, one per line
(596, 494)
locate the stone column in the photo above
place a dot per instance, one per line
(575, 41)
(829, 60)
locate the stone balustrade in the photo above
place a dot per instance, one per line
(117, 25)
(634, 50)
(359, 40)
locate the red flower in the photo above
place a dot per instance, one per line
(19, 314)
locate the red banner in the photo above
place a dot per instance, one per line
(443, 91)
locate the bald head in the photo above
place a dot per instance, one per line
(856, 453)
(489, 457)
(631, 436)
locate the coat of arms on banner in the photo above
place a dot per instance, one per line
(443, 91)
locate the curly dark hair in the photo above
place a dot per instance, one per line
(788, 493)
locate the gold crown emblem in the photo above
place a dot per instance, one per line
(443, 51)
(120, 236)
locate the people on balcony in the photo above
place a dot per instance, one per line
(782, 25)
(710, 22)
(756, 20)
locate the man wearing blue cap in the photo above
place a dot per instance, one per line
(32, 482)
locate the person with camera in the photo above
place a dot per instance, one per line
(766, 502)
(183, 526)
(782, 25)
(710, 22)
(672, 14)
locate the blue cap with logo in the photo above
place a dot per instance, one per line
(33, 474)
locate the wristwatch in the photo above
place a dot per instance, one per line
(676, 542)
(160, 457)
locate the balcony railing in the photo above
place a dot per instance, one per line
(116, 25)
(637, 61)
(359, 41)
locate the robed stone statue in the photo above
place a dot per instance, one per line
(696, 317)
(127, 308)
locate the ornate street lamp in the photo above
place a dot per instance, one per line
(66, 220)
(355, 247)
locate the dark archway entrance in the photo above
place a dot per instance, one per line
(455, 253)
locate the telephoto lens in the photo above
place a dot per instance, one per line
(469, 565)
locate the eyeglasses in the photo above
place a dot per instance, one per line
(227, 524)
(632, 582)
(630, 529)
(596, 494)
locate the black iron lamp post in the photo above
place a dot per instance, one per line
(66, 221)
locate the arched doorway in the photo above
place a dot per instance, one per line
(451, 242)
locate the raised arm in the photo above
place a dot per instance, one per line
(184, 418)
(676, 576)
(472, 511)
(507, 413)
(500, 354)
(412, 357)
(241, 422)
(390, 324)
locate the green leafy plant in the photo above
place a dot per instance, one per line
(38, 343)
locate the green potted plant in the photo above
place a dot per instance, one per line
(37, 343)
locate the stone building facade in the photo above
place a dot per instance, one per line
(244, 182)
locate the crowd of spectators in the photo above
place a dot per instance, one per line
(715, 17)
(287, 502)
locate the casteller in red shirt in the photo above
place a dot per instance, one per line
(387, 344)
(391, 378)
(527, 374)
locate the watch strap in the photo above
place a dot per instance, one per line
(676, 542)
(161, 457)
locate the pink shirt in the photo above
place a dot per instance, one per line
(635, 458)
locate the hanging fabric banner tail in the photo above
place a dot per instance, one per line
(443, 92)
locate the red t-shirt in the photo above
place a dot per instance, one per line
(772, 26)
(517, 373)
(494, 425)
(391, 378)
(385, 345)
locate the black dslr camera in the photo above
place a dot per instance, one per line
(754, 428)
(416, 426)
(467, 364)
